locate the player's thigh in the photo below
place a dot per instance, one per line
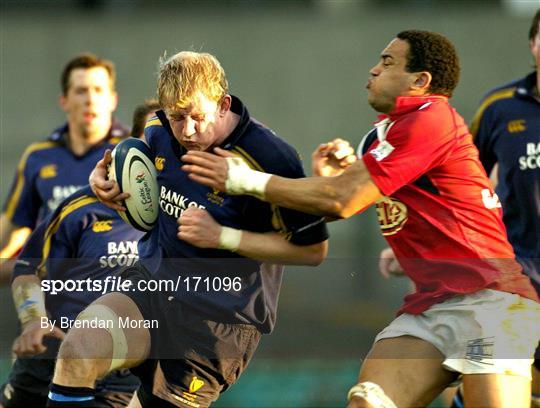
(408, 369)
(496, 391)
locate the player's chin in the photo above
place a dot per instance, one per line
(192, 146)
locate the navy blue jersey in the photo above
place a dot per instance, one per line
(256, 301)
(81, 239)
(48, 172)
(506, 130)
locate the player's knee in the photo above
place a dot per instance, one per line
(368, 394)
(73, 362)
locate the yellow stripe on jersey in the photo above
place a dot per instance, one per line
(115, 140)
(153, 122)
(14, 200)
(55, 224)
(277, 219)
(496, 96)
(250, 160)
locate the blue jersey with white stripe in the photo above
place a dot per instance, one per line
(170, 258)
(506, 129)
(82, 239)
(48, 172)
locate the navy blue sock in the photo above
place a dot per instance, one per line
(457, 402)
(63, 396)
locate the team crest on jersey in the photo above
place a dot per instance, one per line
(48, 171)
(102, 226)
(516, 126)
(160, 163)
(392, 215)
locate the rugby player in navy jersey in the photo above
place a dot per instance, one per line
(82, 239)
(51, 170)
(223, 253)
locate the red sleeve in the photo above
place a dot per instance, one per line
(416, 143)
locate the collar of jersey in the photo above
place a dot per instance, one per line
(407, 104)
(240, 109)
(525, 87)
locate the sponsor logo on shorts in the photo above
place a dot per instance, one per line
(480, 350)
(102, 226)
(189, 398)
(392, 215)
(48, 171)
(160, 163)
(195, 385)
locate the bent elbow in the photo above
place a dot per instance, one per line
(318, 254)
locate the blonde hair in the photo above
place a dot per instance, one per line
(185, 74)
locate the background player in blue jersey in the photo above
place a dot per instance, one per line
(81, 239)
(212, 245)
(51, 170)
(506, 130)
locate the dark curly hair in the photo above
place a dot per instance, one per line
(435, 54)
(534, 25)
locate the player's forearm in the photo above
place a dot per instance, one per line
(273, 247)
(28, 298)
(335, 197)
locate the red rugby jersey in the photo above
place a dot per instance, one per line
(440, 214)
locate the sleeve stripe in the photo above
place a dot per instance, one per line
(253, 163)
(55, 224)
(277, 219)
(153, 122)
(17, 191)
(496, 96)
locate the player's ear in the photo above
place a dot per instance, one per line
(225, 105)
(62, 101)
(422, 82)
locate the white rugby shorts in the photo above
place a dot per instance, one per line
(486, 332)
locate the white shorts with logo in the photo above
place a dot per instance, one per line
(487, 332)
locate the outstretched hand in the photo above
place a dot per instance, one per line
(210, 169)
(388, 264)
(107, 191)
(332, 158)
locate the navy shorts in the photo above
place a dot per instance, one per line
(193, 358)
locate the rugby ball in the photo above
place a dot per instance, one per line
(132, 167)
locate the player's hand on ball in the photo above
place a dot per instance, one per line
(207, 168)
(107, 191)
(198, 228)
(332, 158)
(388, 264)
(30, 342)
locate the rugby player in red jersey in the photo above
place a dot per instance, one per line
(474, 315)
